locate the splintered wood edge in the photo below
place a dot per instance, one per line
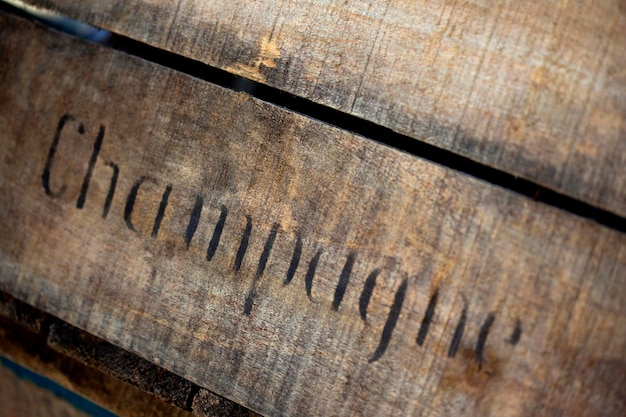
(535, 91)
(283, 263)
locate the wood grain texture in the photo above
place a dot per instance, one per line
(287, 265)
(20, 397)
(106, 375)
(31, 351)
(535, 89)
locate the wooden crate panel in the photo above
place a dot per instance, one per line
(292, 267)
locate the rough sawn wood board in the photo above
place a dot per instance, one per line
(537, 89)
(287, 265)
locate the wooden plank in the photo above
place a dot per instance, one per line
(536, 89)
(21, 397)
(31, 351)
(287, 265)
(106, 375)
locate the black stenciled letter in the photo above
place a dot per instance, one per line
(161, 212)
(344, 279)
(458, 334)
(217, 233)
(517, 333)
(267, 250)
(390, 324)
(111, 193)
(80, 203)
(310, 273)
(243, 245)
(428, 318)
(366, 294)
(295, 260)
(45, 176)
(482, 339)
(194, 219)
(130, 203)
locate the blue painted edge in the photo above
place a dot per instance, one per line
(78, 402)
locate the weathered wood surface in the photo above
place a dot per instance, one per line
(107, 375)
(20, 397)
(537, 88)
(31, 351)
(287, 265)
